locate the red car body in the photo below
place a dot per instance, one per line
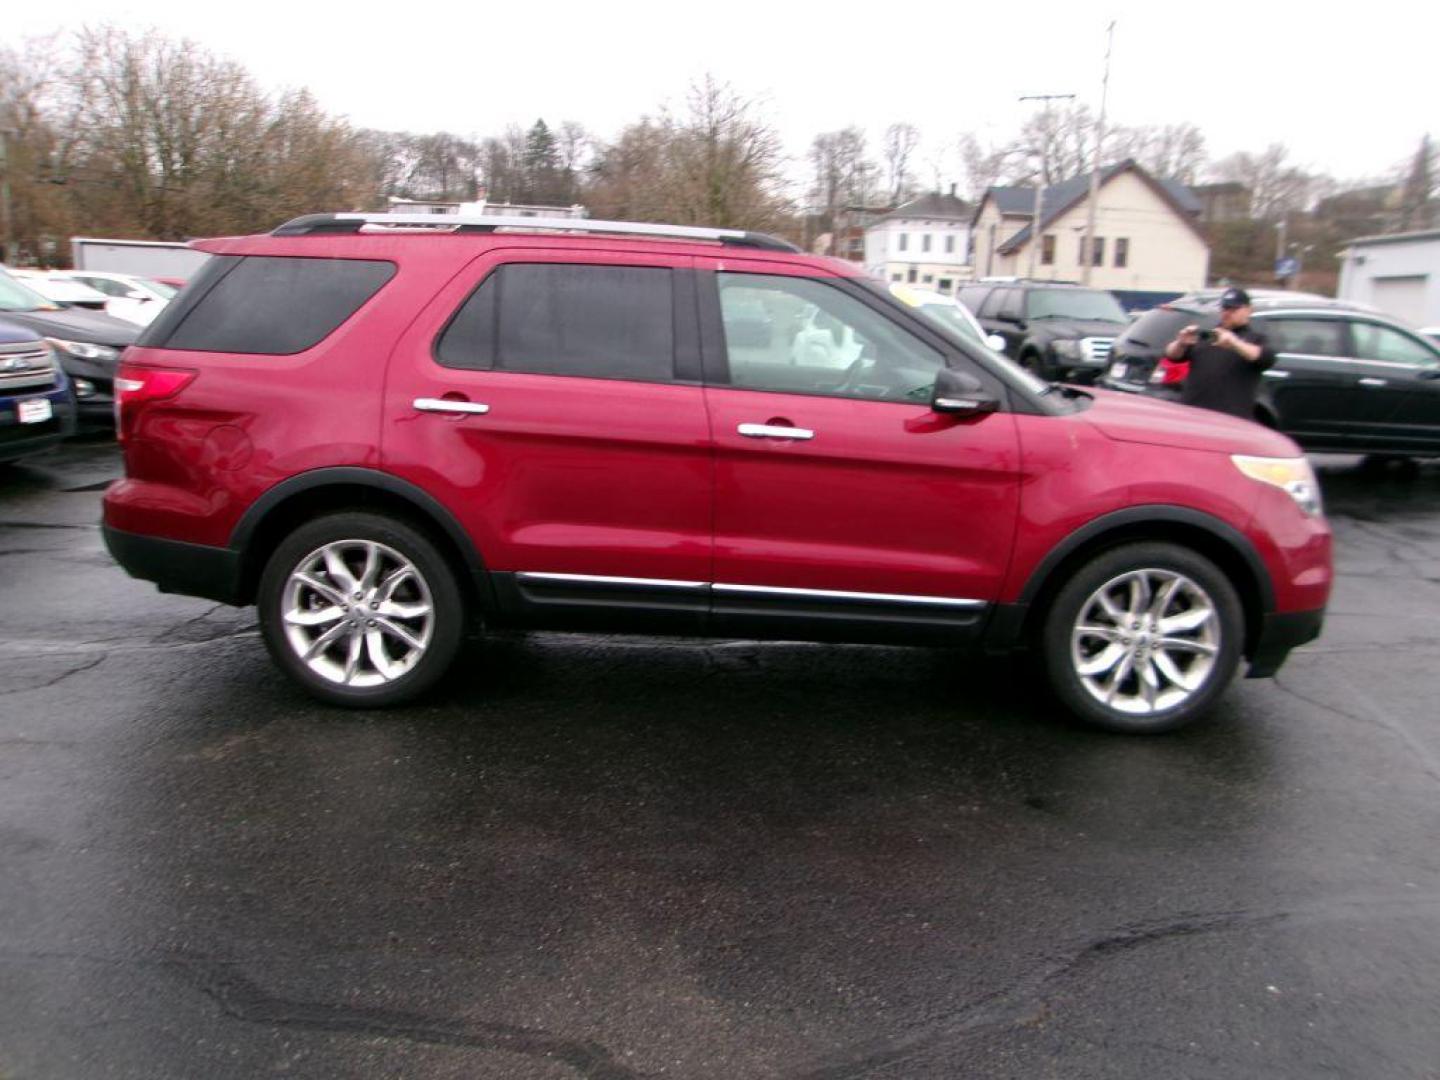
(644, 481)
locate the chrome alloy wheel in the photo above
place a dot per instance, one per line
(357, 613)
(1145, 641)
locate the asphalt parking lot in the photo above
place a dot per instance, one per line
(637, 857)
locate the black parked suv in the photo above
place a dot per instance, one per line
(1348, 379)
(1060, 332)
(88, 344)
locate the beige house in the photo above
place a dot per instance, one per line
(1147, 235)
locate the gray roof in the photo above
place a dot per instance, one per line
(934, 205)
(1394, 238)
(1063, 196)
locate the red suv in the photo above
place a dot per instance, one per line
(384, 429)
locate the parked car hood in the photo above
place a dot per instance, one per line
(1137, 419)
(12, 333)
(1077, 328)
(74, 324)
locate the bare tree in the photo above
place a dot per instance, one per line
(1276, 186)
(901, 141)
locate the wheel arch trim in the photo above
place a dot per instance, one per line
(244, 534)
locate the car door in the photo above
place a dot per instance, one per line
(551, 400)
(1316, 387)
(841, 499)
(1409, 369)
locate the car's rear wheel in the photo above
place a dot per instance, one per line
(1143, 638)
(361, 609)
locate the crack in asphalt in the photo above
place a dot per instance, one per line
(76, 670)
(1429, 765)
(1024, 1000)
(43, 525)
(242, 999)
(161, 637)
(29, 647)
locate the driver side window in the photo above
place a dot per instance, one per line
(800, 336)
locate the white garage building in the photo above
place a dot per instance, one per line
(1399, 274)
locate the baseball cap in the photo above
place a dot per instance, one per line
(1233, 298)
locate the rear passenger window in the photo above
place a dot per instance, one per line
(1311, 337)
(602, 322)
(274, 306)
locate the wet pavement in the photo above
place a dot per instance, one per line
(621, 857)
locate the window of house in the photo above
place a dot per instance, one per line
(950, 245)
(945, 284)
(1122, 252)
(1047, 249)
(925, 242)
(927, 279)
(1099, 259)
(910, 275)
(823, 342)
(904, 241)
(606, 322)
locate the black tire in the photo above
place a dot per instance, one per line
(1224, 633)
(434, 575)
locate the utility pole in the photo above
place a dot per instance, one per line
(1036, 214)
(7, 211)
(1099, 143)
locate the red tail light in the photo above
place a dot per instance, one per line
(135, 385)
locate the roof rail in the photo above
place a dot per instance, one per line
(330, 224)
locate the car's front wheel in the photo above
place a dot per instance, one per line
(361, 609)
(1143, 638)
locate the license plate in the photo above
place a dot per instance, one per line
(35, 411)
(1117, 371)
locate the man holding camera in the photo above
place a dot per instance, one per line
(1225, 363)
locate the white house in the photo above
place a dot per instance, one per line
(924, 242)
(1399, 274)
(1147, 234)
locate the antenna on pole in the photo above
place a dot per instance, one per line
(1035, 214)
(1085, 244)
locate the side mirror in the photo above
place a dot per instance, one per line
(995, 341)
(959, 394)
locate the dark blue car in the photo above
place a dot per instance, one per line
(37, 404)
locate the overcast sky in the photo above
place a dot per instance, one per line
(1349, 94)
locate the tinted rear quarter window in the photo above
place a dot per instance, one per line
(606, 322)
(1312, 337)
(268, 305)
(1157, 327)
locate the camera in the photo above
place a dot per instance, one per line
(1204, 335)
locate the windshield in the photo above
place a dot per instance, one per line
(17, 297)
(946, 317)
(160, 288)
(1074, 304)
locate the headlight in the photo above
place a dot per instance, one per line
(1291, 475)
(1067, 349)
(84, 350)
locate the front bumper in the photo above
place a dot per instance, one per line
(1279, 633)
(19, 440)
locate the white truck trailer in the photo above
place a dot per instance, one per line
(147, 258)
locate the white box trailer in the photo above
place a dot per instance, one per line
(147, 258)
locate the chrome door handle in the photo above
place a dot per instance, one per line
(774, 431)
(1374, 382)
(1273, 374)
(430, 404)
